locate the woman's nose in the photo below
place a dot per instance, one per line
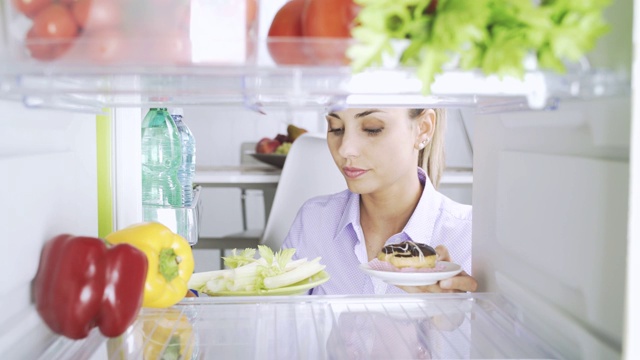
(349, 147)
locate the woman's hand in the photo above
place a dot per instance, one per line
(462, 282)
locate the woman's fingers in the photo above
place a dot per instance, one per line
(461, 282)
(448, 322)
(435, 288)
(442, 253)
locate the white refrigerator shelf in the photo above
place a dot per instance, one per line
(438, 326)
(262, 87)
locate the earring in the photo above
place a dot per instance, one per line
(423, 143)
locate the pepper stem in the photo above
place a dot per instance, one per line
(168, 264)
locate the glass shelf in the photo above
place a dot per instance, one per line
(460, 326)
(203, 58)
(264, 87)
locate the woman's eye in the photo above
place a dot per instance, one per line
(373, 131)
(336, 131)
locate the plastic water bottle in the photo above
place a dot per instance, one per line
(187, 169)
(161, 157)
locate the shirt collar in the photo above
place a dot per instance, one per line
(351, 215)
(419, 228)
(420, 225)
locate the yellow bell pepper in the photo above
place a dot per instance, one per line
(170, 261)
(167, 335)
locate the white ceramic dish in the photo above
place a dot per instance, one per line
(276, 160)
(414, 278)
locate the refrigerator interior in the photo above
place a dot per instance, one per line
(551, 206)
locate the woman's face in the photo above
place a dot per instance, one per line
(374, 148)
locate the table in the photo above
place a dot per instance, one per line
(241, 176)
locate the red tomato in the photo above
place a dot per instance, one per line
(52, 32)
(288, 20)
(329, 18)
(45, 49)
(106, 46)
(30, 8)
(97, 14)
(326, 21)
(38, 48)
(285, 35)
(55, 22)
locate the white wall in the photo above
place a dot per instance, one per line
(48, 186)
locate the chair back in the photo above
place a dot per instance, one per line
(309, 171)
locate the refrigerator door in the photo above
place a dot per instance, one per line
(550, 218)
(48, 181)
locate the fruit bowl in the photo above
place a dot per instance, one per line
(276, 160)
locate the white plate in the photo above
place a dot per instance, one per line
(414, 278)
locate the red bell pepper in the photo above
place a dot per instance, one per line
(81, 283)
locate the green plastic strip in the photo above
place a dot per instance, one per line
(105, 189)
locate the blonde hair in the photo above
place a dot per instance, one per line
(431, 158)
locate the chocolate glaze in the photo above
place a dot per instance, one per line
(409, 249)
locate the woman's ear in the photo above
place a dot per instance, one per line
(426, 127)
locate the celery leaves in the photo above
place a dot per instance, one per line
(245, 257)
(494, 36)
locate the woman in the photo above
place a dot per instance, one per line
(389, 200)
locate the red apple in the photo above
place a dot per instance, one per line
(267, 146)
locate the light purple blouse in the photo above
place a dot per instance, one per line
(329, 226)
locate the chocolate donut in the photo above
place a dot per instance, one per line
(409, 254)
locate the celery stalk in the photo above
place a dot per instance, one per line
(215, 285)
(300, 273)
(294, 264)
(198, 280)
(246, 270)
(240, 283)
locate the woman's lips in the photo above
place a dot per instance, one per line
(353, 173)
